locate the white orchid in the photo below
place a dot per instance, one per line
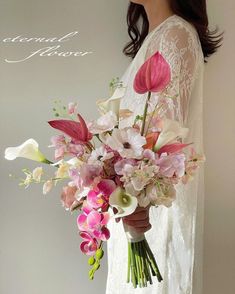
(170, 131)
(104, 123)
(37, 173)
(123, 202)
(47, 186)
(128, 142)
(29, 149)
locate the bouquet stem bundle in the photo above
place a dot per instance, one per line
(141, 264)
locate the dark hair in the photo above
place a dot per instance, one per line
(193, 11)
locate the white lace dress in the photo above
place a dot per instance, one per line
(176, 233)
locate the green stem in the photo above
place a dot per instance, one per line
(145, 113)
(129, 262)
(153, 262)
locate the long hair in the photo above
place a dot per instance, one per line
(193, 11)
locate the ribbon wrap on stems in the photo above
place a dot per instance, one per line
(132, 235)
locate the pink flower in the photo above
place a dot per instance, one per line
(68, 198)
(127, 142)
(78, 131)
(72, 107)
(90, 245)
(121, 164)
(99, 198)
(153, 76)
(94, 222)
(172, 164)
(90, 174)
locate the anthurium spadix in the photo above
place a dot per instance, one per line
(28, 149)
(153, 76)
(171, 131)
(123, 202)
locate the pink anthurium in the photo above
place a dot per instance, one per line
(153, 76)
(172, 148)
(78, 131)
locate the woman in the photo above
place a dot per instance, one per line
(179, 30)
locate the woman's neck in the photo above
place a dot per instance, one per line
(157, 11)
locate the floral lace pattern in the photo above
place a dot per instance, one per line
(175, 236)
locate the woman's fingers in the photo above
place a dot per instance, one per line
(138, 224)
(143, 229)
(137, 215)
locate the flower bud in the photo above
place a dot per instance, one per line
(99, 253)
(91, 260)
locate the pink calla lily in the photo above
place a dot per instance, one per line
(78, 131)
(153, 76)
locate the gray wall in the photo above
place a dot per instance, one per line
(39, 245)
(219, 130)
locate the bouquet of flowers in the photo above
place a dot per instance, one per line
(110, 170)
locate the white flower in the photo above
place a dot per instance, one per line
(29, 150)
(99, 154)
(37, 173)
(113, 103)
(123, 202)
(47, 187)
(162, 194)
(141, 177)
(27, 181)
(171, 130)
(143, 199)
(128, 142)
(103, 124)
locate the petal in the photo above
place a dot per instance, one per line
(153, 76)
(76, 130)
(93, 219)
(105, 234)
(28, 149)
(106, 187)
(123, 202)
(85, 235)
(171, 148)
(81, 221)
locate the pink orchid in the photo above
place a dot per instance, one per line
(78, 131)
(90, 245)
(68, 198)
(153, 76)
(99, 198)
(94, 222)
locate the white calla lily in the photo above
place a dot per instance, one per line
(123, 202)
(113, 103)
(29, 149)
(171, 130)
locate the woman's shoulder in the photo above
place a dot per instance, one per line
(176, 35)
(179, 28)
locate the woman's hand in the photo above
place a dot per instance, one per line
(139, 219)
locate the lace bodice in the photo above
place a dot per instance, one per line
(178, 42)
(176, 233)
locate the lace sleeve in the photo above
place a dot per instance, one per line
(179, 45)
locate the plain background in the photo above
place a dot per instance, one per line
(39, 244)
